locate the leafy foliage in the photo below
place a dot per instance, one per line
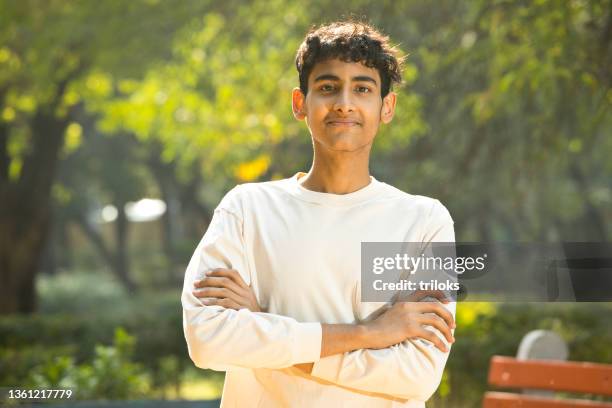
(110, 374)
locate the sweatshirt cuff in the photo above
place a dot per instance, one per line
(328, 368)
(307, 347)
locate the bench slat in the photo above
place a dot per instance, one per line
(590, 378)
(508, 400)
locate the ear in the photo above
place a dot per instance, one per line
(387, 109)
(297, 104)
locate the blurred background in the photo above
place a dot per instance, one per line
(123, 123)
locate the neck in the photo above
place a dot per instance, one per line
(337, 172)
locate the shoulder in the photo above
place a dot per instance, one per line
(428, 209)
(244, 195)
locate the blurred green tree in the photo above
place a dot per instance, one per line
(505, 117)
(49, 52)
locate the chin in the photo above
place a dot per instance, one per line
(342, 142)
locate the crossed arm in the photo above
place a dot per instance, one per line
(404, 320)
(359, 356)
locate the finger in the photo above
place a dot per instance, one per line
(225, 302)
(438, 309)
(212, 292)
(433, 338)
(419, 295)
(220, 293)
(230, 304)
(441, 296)
(221, 282)
(436, 322)
(199, 283)
(228, 273)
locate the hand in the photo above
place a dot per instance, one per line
(405, 320)
(225, 287)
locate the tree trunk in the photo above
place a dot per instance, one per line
(66, 259)
(25, 214)
(122, 268)
(48, 264)
(164, 174)
(117, 260)
(20, 249)
(95, 238)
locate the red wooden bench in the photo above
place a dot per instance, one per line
(576, 377)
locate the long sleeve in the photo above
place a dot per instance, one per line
(409, 370)
(220, 338)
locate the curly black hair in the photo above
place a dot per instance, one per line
(349, 41)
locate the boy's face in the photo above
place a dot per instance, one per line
(343, 108)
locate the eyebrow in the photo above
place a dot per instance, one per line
(359, 78)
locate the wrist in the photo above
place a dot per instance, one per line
(363, 335)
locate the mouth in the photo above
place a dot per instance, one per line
(343, 123)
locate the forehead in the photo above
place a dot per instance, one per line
(343, 70)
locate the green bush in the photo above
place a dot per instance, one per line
(110, 375)
(80, 294)
(79, 311)
(17, 363)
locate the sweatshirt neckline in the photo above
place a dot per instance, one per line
(373, 189)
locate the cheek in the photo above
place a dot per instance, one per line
(375, 114)
(317, 115)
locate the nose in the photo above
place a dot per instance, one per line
(344, 101)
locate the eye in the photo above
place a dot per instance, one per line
(326, 88)
(363, 89)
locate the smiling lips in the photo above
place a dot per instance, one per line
(343, 122)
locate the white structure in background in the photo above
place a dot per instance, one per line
(542, 345)
(147, 209)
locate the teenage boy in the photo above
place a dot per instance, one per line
(272, 292)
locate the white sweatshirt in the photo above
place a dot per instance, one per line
(300, 251)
